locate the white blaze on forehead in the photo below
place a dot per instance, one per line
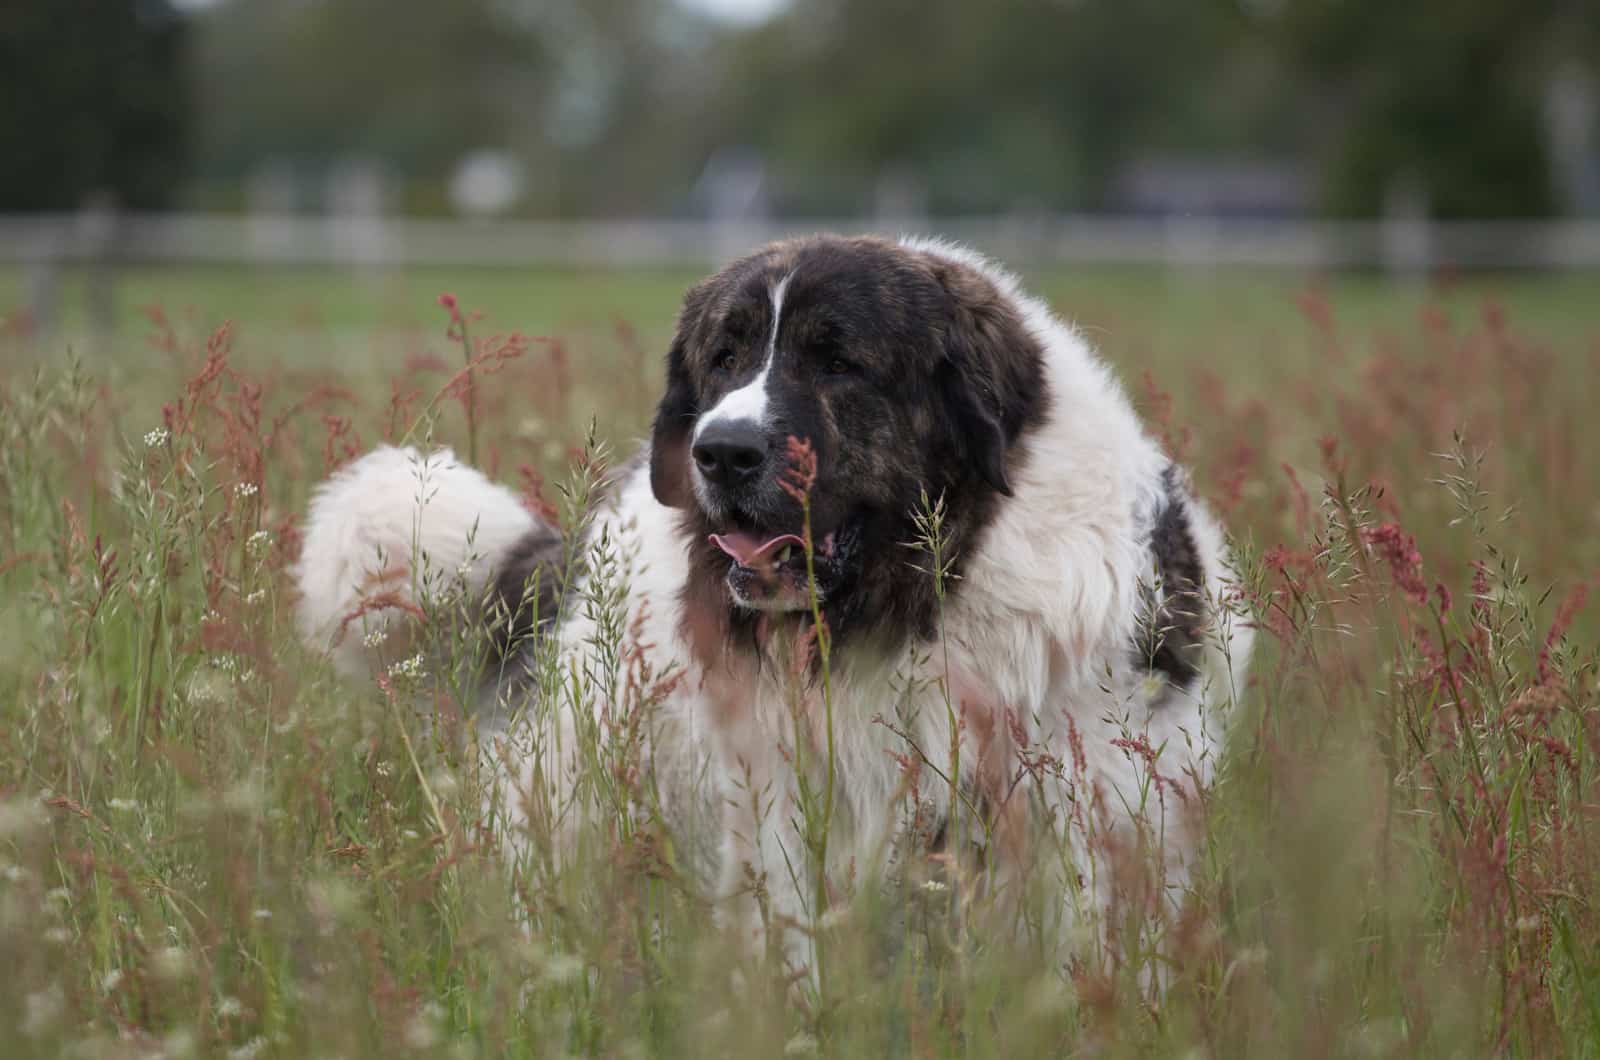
(749, 402)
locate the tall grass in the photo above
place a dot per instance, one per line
(211, 847)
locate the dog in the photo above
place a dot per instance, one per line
(899, 557)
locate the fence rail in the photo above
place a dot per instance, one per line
(1404, 245)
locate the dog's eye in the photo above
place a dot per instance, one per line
(725, 361)
(840, 366)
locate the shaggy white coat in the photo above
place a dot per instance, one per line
(1040, 629)
(401, 528)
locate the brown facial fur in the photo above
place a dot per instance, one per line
(907, 374)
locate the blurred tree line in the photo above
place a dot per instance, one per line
(94, 100)
(616, 106)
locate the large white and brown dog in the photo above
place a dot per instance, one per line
(1058, 686)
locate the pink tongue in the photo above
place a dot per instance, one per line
(746, 549)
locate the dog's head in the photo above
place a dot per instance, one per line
(898, 371)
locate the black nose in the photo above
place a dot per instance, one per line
(730, 454)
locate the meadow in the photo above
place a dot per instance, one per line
(212, 846)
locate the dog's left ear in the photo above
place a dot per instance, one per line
(991, 374)
(669, 440)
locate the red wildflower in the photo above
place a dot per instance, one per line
(1399, 550)
(448, 301)
(1558, 628)
(1302, 503)
(801, 474)
(1481, 596)
(1331, 460)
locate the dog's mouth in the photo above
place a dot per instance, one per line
(768, 570)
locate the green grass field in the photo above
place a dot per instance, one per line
(210, 846)
(1130, 309)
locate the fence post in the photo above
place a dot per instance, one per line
(46, 249)
(96, 246)
(1405, 238)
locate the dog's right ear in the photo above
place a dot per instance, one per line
(669, 440)
(675, 416)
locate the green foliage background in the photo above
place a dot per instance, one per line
(616, 105)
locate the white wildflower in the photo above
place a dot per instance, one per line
(256, 597)
(14, 873)
(124, 805)
(156, 438)
(261, 914)
(935, 886)
(205, 687)
(247, 677)
(111, 980)
(229, 1007)
(58, 895)
(385, 769)
(411, 669)
(258, 541)
(375, 638)
(244, 489)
